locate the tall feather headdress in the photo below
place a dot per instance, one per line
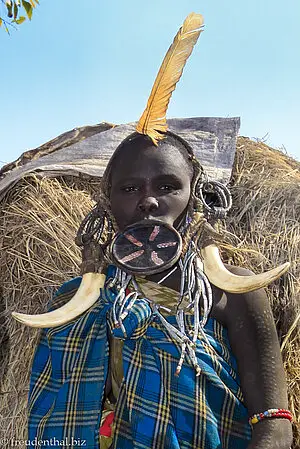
(153, 121)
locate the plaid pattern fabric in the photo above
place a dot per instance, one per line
(155, 409)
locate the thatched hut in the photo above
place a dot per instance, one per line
(42, 204)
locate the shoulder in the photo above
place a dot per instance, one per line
(248, 305)
(226, 305)
(238, 270)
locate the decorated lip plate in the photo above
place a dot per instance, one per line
(146, 247)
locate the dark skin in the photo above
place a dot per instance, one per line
(148, 183)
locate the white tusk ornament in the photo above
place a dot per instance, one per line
(89, 289)
(85, 297)
(219, 276)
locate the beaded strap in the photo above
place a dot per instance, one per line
(271, 413)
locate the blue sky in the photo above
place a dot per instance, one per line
(80, 63)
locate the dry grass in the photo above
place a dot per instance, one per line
(38, 222)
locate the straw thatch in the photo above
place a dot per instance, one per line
(38, 222)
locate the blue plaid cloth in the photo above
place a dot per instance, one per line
(155, 409)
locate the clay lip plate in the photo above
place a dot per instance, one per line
(146, 247)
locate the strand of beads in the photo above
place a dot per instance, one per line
(271, 413)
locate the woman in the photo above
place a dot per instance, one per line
(160, 346)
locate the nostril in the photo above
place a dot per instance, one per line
(148, 204)
(154, 205)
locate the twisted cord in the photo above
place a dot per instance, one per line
(223, 198)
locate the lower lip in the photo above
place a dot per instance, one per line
(153, 219)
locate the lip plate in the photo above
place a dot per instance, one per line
(122, 249)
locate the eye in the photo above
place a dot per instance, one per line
(129, 189)
(167, 187)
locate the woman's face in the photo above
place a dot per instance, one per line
(149, 183)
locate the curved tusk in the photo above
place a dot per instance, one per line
(227, 281)
(86, 296)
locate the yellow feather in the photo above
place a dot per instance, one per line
(153, 120)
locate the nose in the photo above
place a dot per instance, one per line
(148, 204)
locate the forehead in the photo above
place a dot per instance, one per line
(135, 159)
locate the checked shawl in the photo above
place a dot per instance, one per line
(155, 409)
